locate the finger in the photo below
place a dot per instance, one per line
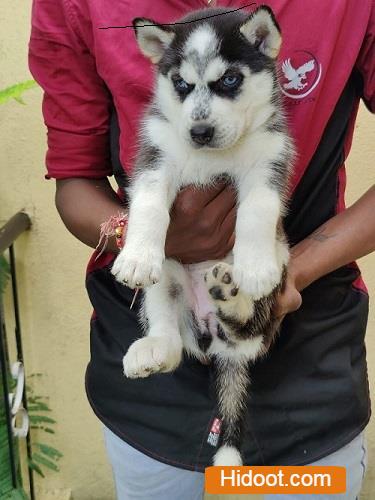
(287, 302)
(231, 241)
(226, 248)
(227, 234)
(220, 207)
(279, 311)
(228, 224)
(192, 200)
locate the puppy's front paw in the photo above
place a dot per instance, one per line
(151, 355)
(138, 269)
(257, 277)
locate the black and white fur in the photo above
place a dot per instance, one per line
(216, 111)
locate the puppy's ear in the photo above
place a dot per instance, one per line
(262, 31)
(153, 39)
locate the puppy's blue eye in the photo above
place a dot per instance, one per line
(182, 88)
(181, 84)
(228, 85)
(231, 81)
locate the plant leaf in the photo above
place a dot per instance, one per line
(42, 428)
(19, 100)
(33, 399)
(38, 406)
(38, 419)
(44, 461)
(16, 91)
(49, 451)
(49, 430)
(35, 467)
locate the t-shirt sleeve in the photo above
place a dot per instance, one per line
(366, 62)
(76, 102)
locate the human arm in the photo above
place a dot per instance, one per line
(201, 227)
(350, 234)
(344, 238)
(83, 204)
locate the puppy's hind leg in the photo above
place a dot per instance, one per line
(161, 348)
(234, 348)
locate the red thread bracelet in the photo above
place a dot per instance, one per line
(114, 226)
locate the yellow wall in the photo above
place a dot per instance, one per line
(52, 267)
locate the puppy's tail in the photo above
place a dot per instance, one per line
(232, 383)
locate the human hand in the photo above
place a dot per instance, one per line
(202, 224)
(289, 299)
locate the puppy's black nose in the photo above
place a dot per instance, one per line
(202, 134)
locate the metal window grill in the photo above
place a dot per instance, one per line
(13, 397)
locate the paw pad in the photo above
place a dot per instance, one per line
(227, 278)
(220, 282)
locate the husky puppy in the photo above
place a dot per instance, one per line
(216, 111)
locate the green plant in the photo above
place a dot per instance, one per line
(16, 91)
(43, 455)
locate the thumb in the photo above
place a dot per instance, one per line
(289, 300)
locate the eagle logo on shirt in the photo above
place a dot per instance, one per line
(295, 76)
(301, 73)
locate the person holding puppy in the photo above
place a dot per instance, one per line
(309, 401)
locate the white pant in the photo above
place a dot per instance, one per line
(140, 477)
